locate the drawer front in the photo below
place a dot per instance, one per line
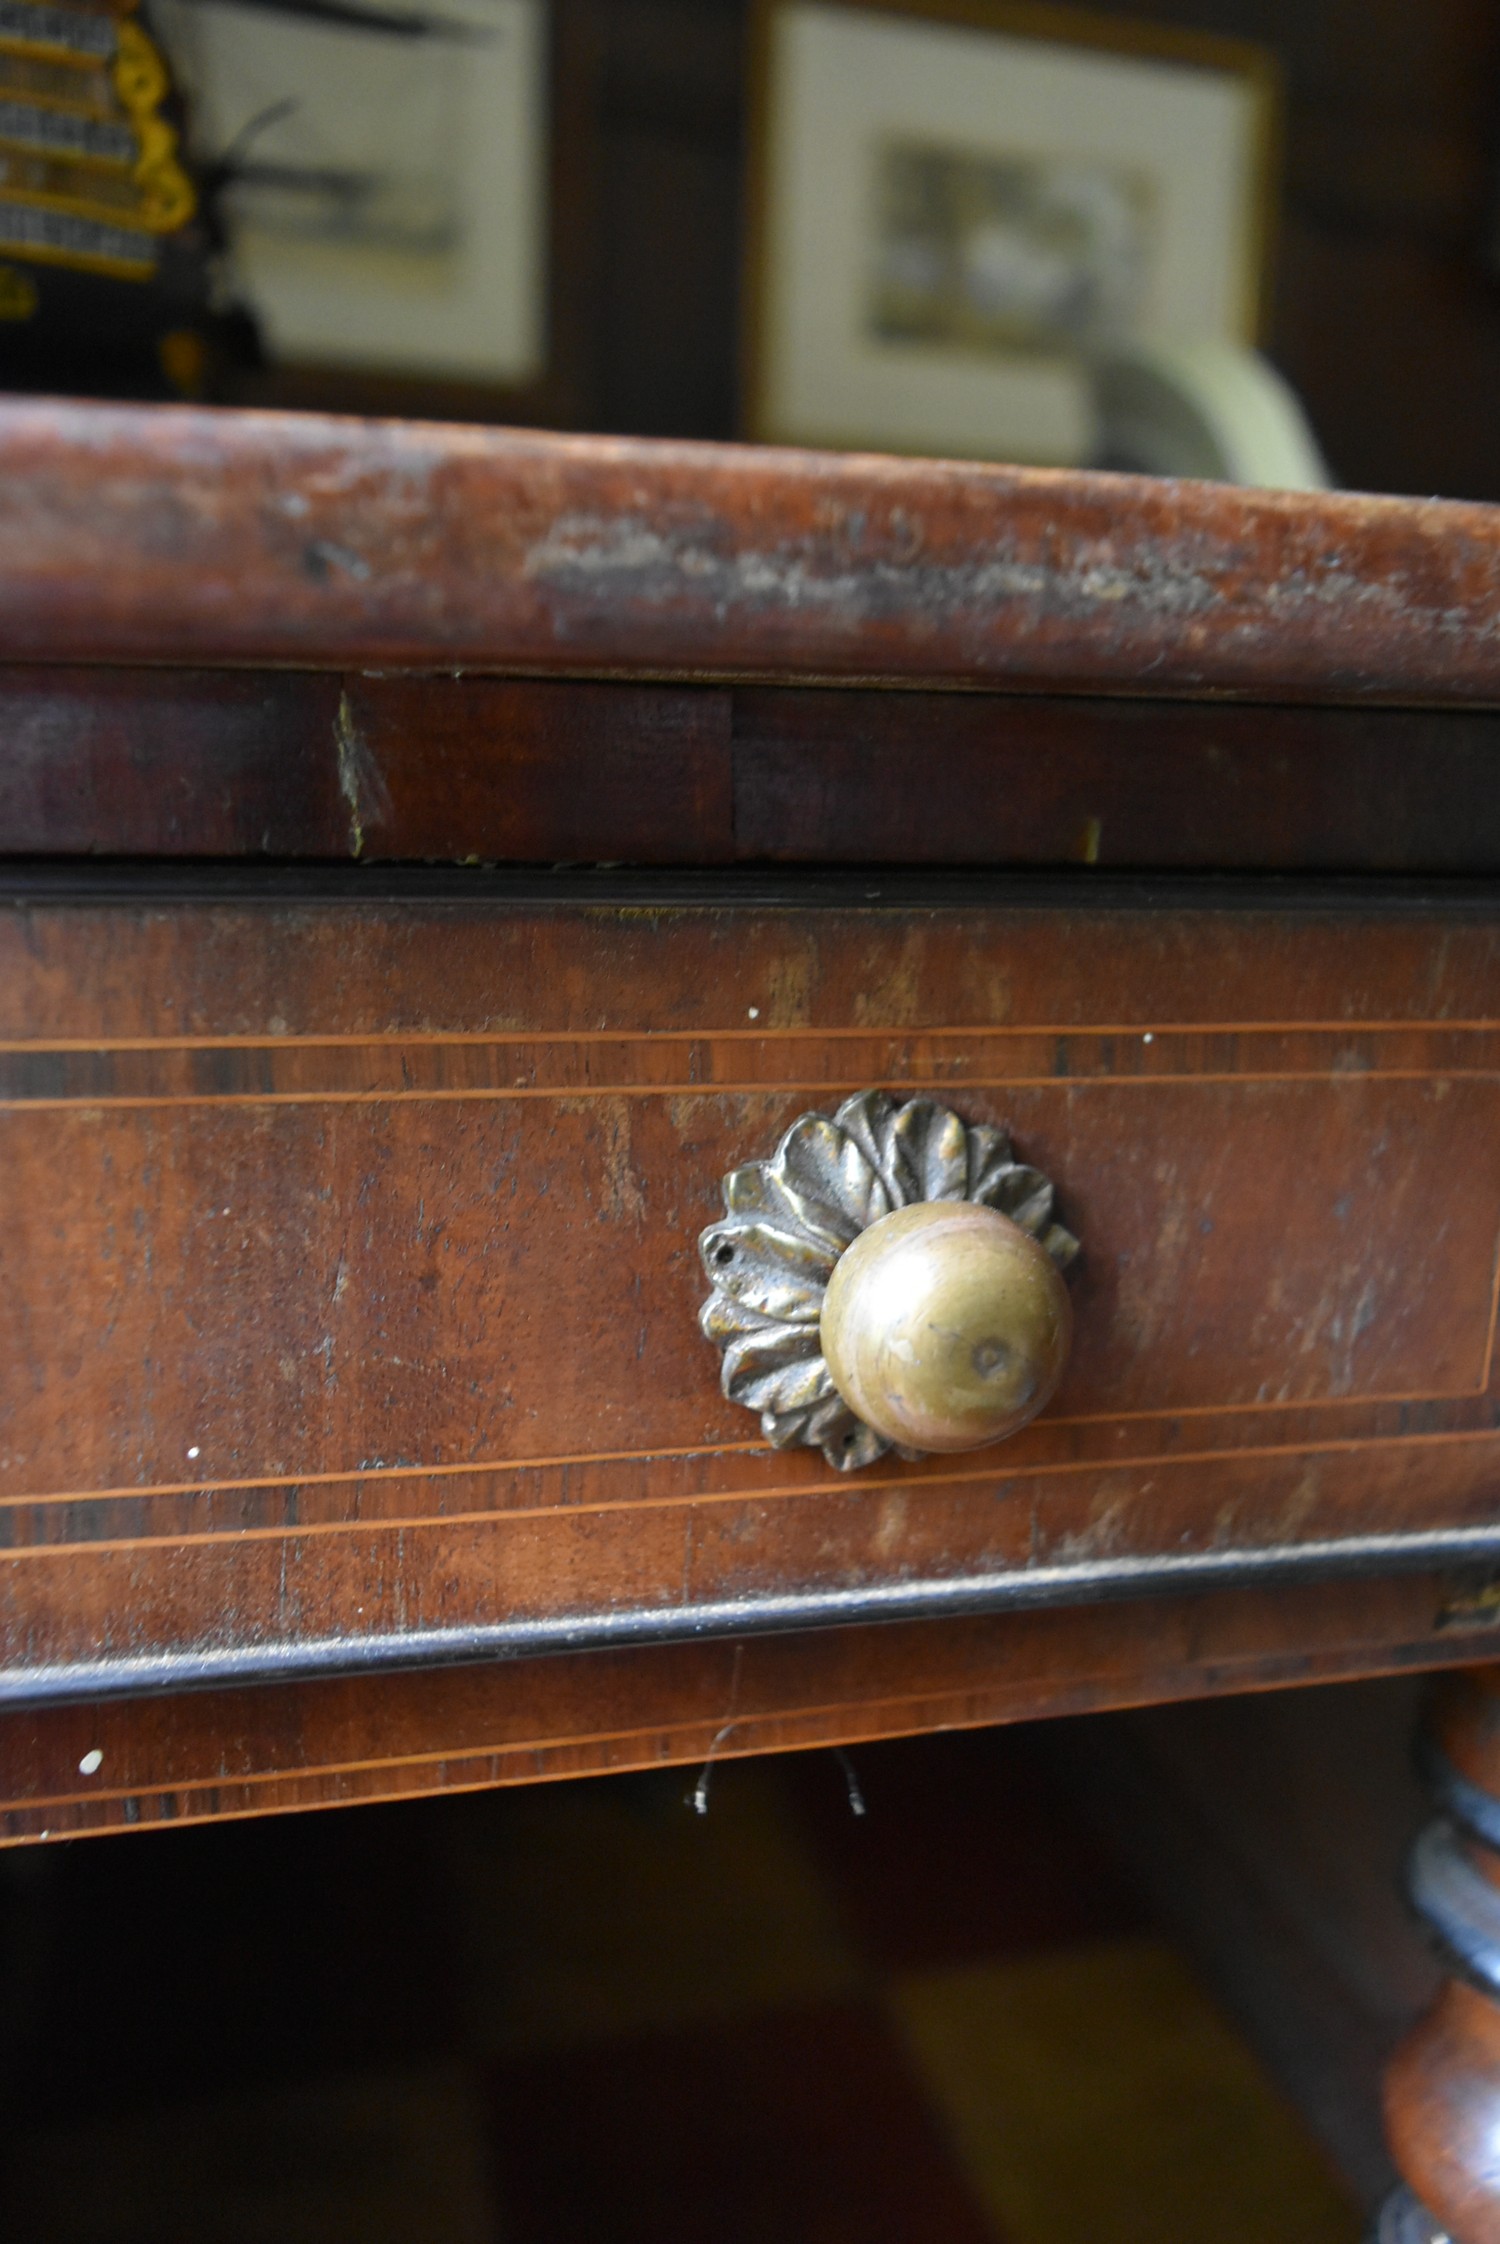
(351, 1272)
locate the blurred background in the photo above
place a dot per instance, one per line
(633, 215)
(1126, 1979)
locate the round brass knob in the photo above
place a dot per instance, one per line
(888, 1278)
(945, 1326)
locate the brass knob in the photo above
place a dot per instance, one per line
(946, 1326)
(889, 1278)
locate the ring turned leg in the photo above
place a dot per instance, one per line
(1403, 2221)
(1442, 2093)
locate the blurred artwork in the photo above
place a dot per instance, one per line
(1031, 254)
(381, 173)
(367, 152)
(958, 213)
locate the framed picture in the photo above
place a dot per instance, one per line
(955, 205)
(385, 172)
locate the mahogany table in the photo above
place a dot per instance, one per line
(435, 858)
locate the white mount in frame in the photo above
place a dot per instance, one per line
(953, 218)
(388, 208)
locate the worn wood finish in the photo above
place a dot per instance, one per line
(144, 762)
(352, 1283)
(181, 535)
(208, 1755)
(348, 1245)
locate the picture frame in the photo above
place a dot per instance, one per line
(387, 169)
(955, 205)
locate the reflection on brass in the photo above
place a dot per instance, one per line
(946, 1326)
(961, 1285)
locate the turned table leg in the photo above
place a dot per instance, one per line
(1442, 2094)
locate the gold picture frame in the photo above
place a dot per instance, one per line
(833, 357)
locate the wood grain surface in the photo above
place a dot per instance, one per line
(214, 1754)
(253, 765)
(182, 535)
(351, 1280)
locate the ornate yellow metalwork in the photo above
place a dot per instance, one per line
(89, 168)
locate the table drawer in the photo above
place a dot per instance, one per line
(352, 1281)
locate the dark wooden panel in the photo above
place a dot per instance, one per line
(212, 1754)
(182, 535)
(519, 769)
(199, 763)
(351, 1283)
(224, 763)
(983, 779)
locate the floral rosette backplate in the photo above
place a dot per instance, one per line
(789, 1219)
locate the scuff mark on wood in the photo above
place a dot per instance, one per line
(175, 535)
(360, 781)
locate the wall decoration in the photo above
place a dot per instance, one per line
(955, 206)
(383, 173)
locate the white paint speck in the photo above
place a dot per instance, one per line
(755, 1012)
(1149, 1037)
(194, 1452)
(92, 1762)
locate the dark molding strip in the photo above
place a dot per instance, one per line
(234, 883)
(135, 1675)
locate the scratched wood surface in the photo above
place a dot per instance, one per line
(351, 1278)
(183, 535)
(146, 762)
(350, 1285)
